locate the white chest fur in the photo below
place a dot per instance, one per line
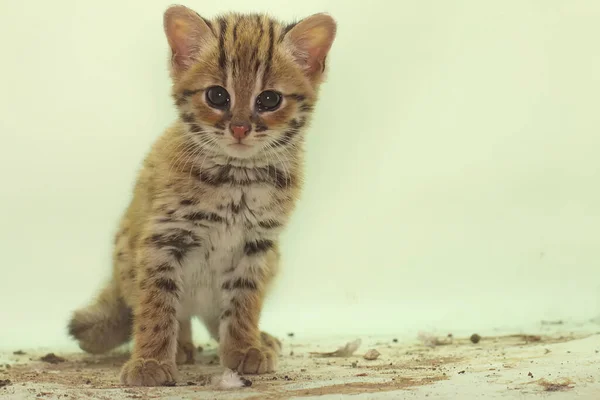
(222, 249)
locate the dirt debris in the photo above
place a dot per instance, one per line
(246, 382)
(353, 388)
(475, 338)
(560, 385)
(399, 367)
(559, 322)
(531, 338)
(5, 382)
(52, 358)
(528, 338)
(430, 340)
(19, 353)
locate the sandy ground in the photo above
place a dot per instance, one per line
(560, 364)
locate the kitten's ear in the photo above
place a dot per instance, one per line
(187, 33)
(310, 40)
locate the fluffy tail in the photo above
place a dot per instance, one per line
(104, 324)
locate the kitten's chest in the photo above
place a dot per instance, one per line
(235, 214)
(243, 207)
(223, 243)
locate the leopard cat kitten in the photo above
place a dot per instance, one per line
(200, 236)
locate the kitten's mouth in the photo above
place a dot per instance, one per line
(240, 150)
(239, 145)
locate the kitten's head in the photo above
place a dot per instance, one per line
(245, 85)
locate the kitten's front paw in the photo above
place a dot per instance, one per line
(250, 361)
(186, 353)
(148, 372)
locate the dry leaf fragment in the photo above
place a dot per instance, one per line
(344, 351)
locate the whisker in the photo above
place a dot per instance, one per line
(212, 142)
(286, 170)
(175, 160)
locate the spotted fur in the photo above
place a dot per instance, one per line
(200, 236)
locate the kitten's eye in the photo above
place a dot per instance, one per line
(217, 97)
(268, 101)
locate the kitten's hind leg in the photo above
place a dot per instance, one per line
(186, 352)
(103, 325)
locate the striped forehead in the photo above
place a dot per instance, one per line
(246, 46)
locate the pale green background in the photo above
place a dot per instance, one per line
(452, 171)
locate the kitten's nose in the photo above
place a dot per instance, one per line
(240, 129)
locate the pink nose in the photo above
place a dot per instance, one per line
(240, 131)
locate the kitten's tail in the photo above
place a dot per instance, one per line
(103, 325)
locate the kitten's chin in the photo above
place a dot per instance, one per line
(238, 150)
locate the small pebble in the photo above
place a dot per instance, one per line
(475, 338)
(371, 355)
